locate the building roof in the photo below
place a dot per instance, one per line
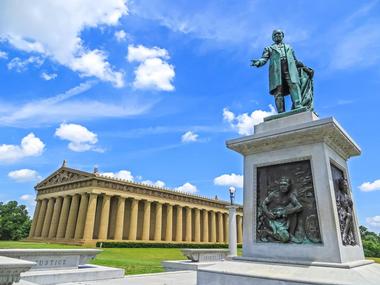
(64, 177)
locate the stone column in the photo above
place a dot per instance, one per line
(239, 229)
(205, 237)
(146, 221)
(226, 227)
(197, 225)
(88, 231)
(220, 227)
(72, 220)
(55, 218)
(81, 216)
(232, 244)
(35, 219)
(158, 226)
(169, 223)
(63, 217)
(104, 218)
(132, 235)
(41, 218)
(188, 236)
(48, 216)
(213, 227)
(178, 232)
(119, 226)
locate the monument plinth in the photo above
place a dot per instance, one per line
(300, 225)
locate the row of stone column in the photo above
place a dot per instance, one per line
(73, 217)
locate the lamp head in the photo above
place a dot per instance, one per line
(232, 190)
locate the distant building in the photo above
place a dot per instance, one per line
(78, 207)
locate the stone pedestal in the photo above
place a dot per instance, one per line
(232, 242)
(311, 154)
(11, 268)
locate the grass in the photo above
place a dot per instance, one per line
(133, 260)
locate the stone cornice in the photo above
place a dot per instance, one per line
(85, 180)
(325, 130)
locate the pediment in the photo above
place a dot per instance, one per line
(62, 176)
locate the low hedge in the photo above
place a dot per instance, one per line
(160, 245)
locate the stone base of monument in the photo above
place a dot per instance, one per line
(198, 258)
(300, 224)
(83, 273)
(53, 266)
(11, 268)
(262, 273)
(180, 265)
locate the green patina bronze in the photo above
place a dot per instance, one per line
(287, 75)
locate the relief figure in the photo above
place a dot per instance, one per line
(279, 207)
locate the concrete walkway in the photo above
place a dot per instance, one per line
(165, 278)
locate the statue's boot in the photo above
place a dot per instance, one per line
(280, 103)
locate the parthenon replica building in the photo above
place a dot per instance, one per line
(78, 207)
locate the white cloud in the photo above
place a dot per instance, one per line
(30, 146)
(373, 222)
(58, 108)
(30, 201)
(79, 137)
(140, 53)
(48, 76)
(21, 65)
(94, 63)
(216, 28)
(229, 180)
(354, 45)
(153, 71)
(53, 28)
(3, 55)
(189, 137)
(122, 174)
(244, 123)
(370, 186)
(121, 35)
(24, 175)
(158, 183)
(187, 187)
(26, 197)
(127, 175)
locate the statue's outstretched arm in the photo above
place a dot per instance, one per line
(264, 58)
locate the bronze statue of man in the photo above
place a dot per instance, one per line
(284, 73)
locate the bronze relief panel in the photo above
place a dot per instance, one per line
(344, 206)
(286, 205)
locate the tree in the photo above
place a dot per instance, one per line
(371, 242)
(14, 221)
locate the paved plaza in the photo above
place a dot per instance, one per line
(166, 278)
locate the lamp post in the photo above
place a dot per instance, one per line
(232, 191)
(232, 243)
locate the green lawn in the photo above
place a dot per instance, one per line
(133, 260)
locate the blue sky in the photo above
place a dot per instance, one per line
(151, 90)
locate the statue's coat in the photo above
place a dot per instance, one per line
(273, 54)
